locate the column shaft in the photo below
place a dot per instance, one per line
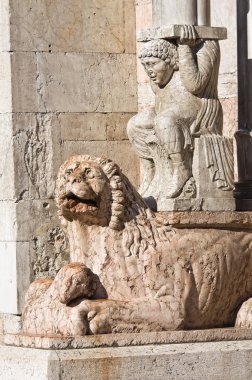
(203, 12)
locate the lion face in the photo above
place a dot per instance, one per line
(83, 192)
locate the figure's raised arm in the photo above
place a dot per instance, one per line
(198, 62)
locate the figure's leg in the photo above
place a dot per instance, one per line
(139, 128)
(181, 174)
(176, 141)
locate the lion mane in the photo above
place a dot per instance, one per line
(127, 212)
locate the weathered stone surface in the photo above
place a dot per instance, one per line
(7, 185)
(91, 87)
(230, 117)
(121, 150)
(143, 14)
(25, 92)
(31, 155)
(216, 360)
(167, 12)
(4, 26)
(37, 222)
(94, 126)
(5, 82)
(124, 339)
(130, 26)
(76, 25)
(8, 227)
(195, 204)
(11, 324)
(44, 217)
(28, 364)
(37, 154)
(224, 14)
(42, 82)
(14, 275)
(117, 127)
(8, 279)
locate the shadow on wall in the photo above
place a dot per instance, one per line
(244, 133)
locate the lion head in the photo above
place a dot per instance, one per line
(94, 191)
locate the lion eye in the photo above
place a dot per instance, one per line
(89, 173)
(76, 281)
(69, 171)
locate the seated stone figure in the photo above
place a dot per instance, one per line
(184, 80)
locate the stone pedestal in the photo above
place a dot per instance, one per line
(187, 361)
(213, 179)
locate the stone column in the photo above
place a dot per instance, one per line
(243, 188)
(169, 12)
(189, 12)
(203, 12)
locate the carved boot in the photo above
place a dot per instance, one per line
(181, 174)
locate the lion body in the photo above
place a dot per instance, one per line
(198, 276)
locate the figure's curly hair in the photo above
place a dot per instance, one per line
(165, 50)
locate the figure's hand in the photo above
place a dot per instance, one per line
(188, 35)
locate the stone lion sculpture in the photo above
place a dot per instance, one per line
(152, 276)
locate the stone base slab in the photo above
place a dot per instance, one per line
(187, 361)
(208, 219)
(196, 204)
(174, 31)
(127, 339)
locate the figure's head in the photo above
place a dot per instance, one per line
(160, 59)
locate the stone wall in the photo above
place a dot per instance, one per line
(68, 86)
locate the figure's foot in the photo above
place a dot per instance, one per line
(180, 176)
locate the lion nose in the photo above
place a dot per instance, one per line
(75, 179)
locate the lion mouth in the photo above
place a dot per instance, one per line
(75, 203)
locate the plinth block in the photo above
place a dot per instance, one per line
(215, 360)
(174, 31)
